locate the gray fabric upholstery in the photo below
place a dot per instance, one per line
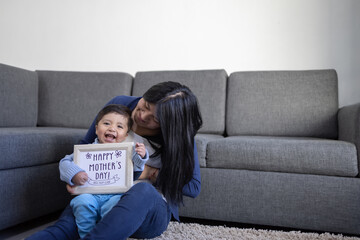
(284, 154)
(202, 141)
(208, 85)
(277, 165)
(300, 201)
(26, 147)
(72, 99)
(283, 103)
(349, 125)
(31, 192)
(18, 97)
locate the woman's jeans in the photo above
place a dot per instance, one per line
(140, 213)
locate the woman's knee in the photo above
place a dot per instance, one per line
(144, 188)
(141, 192)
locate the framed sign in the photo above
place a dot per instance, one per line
(109, 167)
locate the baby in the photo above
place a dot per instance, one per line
(113, 124)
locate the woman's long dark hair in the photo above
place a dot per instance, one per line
(179, 117)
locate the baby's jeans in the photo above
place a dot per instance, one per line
(88, 209)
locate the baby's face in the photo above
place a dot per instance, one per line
(112, 128)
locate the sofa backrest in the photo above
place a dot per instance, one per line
(72, 99)
(208, 85)
(18, 97)
(283, 103)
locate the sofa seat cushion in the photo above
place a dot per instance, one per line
(202, 141)
(32, 146)
(284, 154)
(31, 192)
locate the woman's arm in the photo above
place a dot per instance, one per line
(192, 189)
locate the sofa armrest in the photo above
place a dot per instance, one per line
(349, 125)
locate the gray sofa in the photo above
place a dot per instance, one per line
(275, 149)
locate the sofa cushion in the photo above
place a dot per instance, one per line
(349, 125)
(202, 140)
(300, 201)
(24, 147)
(72, 99)
(283, 103)
(30, 193)
(18, 97)
(208, 85)
(284, 154)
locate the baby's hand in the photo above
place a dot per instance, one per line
(140, 149)
(80, 178)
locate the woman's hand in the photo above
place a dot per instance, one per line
(140, 149)
(153, 175)
(70, 189)
(149, 173)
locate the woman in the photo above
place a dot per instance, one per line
(168, 116)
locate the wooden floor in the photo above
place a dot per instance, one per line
(26, 229)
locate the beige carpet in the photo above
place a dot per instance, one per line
(194, 231)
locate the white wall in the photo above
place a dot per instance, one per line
(141, 35)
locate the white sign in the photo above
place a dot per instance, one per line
(109, 167)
